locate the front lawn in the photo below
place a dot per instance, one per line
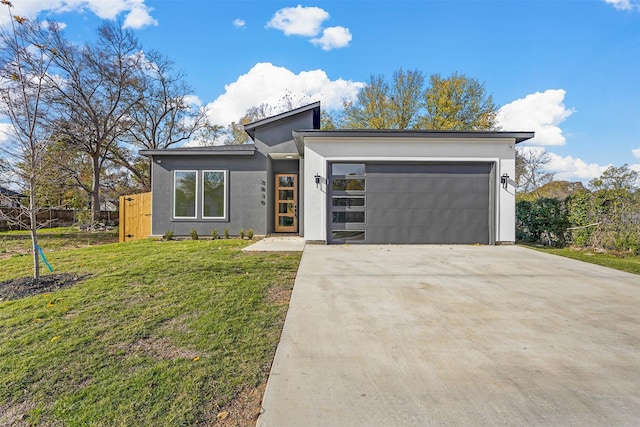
(160, 333)
(18, 242)
(623, 262)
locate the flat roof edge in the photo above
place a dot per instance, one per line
(199, 152)
(519, 136)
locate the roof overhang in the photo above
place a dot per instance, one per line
(216, 150)
(299, 135)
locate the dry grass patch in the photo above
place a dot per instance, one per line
(160, 348)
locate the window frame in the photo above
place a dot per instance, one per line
(225, 192)
(195, 208)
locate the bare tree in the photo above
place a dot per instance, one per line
(25, 59)
(163, 117)
(531, 169)
(98, 87)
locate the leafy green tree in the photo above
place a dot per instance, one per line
(380, 105)
(458, 102)
(554, 190)
(452, 103)
(616, 178)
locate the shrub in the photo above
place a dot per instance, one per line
(194, 234)
(214, 233)
(250, 233)
(168, 235)
(226, 233)
(242, 233)
(543, 220)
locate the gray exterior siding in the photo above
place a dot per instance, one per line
(246, 197)
(250, 174)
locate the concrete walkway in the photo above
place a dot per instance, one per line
(277, 244)
(456, 336)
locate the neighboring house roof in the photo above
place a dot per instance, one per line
(251, 127)
(219, 150)
(10, 193)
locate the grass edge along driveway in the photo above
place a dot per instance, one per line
(161, 333)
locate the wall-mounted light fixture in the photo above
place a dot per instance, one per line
(317, 177)
(504, 180)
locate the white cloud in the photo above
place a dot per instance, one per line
(139, 17)
(624, 4)
(573, 169)
(239, 23)
(570, 168)
(307, 22)
(541, 112)
(193, 100)
(636, 152)
(333, 37)
(138, 12)
(267, 83)
(300, 21)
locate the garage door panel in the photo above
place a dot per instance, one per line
(417, 235)
(426, 203)
(429, 168)
(439, 184)
(440, 218)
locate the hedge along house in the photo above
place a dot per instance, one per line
(342, 186)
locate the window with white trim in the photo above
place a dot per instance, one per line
(185, 193)
(214, 194)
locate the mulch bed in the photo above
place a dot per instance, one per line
(26, 286)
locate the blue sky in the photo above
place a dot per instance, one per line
(567, 69)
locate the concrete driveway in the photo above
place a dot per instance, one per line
(456, 335)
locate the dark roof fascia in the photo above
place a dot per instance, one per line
(10, 193)
(216, 150)
(251, 127)
(394, 133)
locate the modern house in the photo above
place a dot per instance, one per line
(342, 186)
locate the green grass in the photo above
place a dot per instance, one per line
(628, 263)
(18, 243)
(162, 333)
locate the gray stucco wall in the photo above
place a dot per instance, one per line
(277, 137)
(247, 198)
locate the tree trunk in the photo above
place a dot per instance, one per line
(95, 192)
(34, 227)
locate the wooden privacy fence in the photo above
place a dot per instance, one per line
(135, 217)
(50, 216)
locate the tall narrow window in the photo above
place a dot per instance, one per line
(214, 194)
(185, 190)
